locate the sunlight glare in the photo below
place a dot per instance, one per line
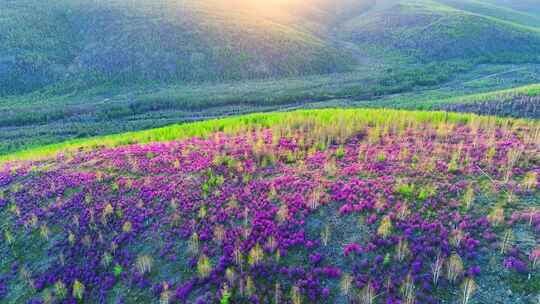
(272, 8)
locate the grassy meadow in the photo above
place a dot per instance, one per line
(298, 207)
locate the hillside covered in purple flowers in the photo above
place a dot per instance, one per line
(334, 206)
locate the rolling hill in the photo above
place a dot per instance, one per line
(501, 11)
(80, 43)
(129, 41)
(528, 6)
(428, 31)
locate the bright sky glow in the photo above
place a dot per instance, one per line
(275, 8)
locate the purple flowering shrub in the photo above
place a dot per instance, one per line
(388, 215)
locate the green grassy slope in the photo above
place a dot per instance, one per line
(126, 41)
(487, 85)
(528, 6)
(529, 90)
(41, 119)
(237, 124)
(430, 31)
(520, 102)
(501, 11)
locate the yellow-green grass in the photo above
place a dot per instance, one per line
(337, 119)
(529, 90)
